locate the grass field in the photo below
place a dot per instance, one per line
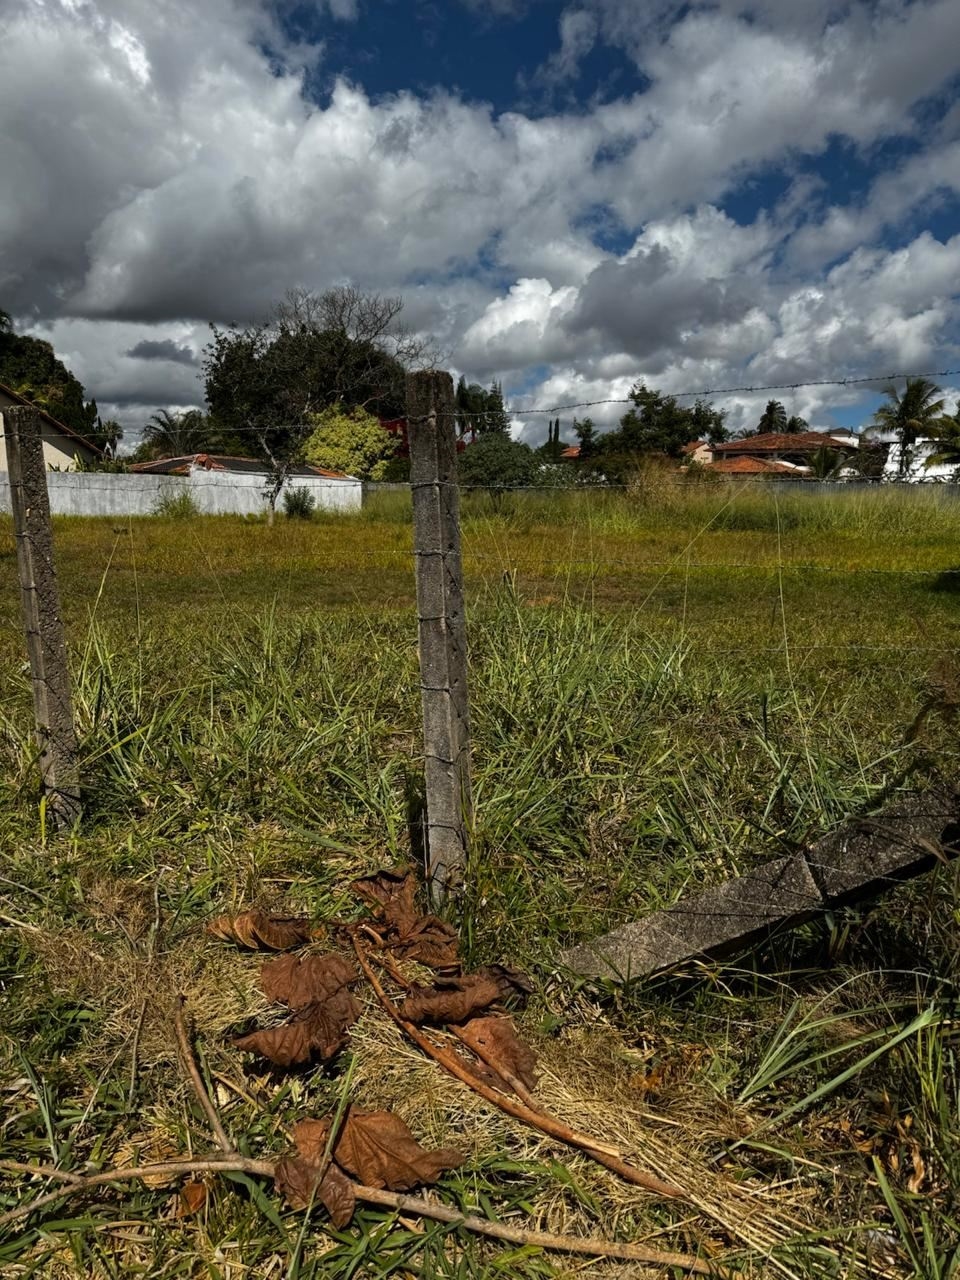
(667, 686)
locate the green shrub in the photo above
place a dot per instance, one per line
(496, 461)
(176, 506)
(351, 441)
(299, 504)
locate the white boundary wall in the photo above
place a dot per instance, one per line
(104, 493)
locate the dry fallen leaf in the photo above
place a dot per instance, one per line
(318, 1030)
(455, 1002)
(295, 1178)
(496, 1043)
(512, 982)
(192, 1198)
(390, 895)
(261, 931)
(917, 1178)
(377, 1148)
(297, 982)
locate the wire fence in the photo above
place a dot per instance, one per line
(878, 380)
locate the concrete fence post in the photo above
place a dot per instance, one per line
(431, 427)
(43, 623)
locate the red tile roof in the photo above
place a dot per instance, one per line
(571, 452)
(752, 467)
(782, 442)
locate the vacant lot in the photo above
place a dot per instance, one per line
(667, 686)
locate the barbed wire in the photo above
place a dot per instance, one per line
(123, 481)
(702, 393)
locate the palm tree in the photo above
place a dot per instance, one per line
(914, 413)
(946, 432)
(826, 463)
(176, 434)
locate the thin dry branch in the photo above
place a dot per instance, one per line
(369, 1195)
(540, 1120)
(186, 1054)
(515, 1083)
(168, 1168)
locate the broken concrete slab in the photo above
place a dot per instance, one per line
(864, 856)
(735, 911)
(872, 853)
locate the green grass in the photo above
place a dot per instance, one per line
(667, 687)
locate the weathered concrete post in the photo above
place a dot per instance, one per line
(431, 427)
(43, 623)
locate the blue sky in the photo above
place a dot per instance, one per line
(570, 195)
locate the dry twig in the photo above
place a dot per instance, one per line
(369, 1195)
(186, 1054)
(535, 1118)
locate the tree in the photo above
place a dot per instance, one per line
(587, 436)
(826, 463)
(31, 368)
(496, 461)
(796, 425)
(496, 417)
(658, 423)
(352, 441)
(176, 433)
(554, 445)
(708, 423)
(107, 435)
(773, 418)
(946, 433)
(471, 401)
(916, 412)
(342, 347)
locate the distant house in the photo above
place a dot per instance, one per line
(193, 463)
(698, 451)
(795, 450)
(62, 446)
(908, 465)
(570, 454)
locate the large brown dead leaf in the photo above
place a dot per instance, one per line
(317, 1031)
(514, 983)
(295, 1178)
(496, 1043)
(261, 931)
(297, 982)
(390, 895)
(454, 1002)
(377, 1148)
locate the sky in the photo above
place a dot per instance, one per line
(569, 195)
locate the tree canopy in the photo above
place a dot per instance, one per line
(659, 423)
(173, 433)
(497, 461)
(30, 367)
(342, 347)
(588, 437)
(352, 441)
(773, 418)
(914, 412)
(946, 433)
(480, 410)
